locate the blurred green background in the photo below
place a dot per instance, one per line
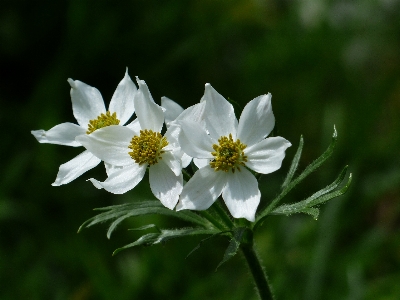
(325, 62)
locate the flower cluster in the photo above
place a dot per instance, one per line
(226, 152)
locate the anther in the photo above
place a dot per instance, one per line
(147, 147)
(103, 120)
(228, 154)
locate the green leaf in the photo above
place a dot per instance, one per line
(165, 235)
(145, 227)
(312, 211)
(121, 212)
(146, 239)
(233, 246)
(311, 168)
(295, 163)
(317, 198)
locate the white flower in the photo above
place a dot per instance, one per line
(90, 112)
(229, 148)
(137, 147)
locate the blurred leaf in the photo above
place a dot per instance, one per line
(165, 235)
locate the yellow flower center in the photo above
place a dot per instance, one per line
(103, 120)
(147, 147)
(228, 154)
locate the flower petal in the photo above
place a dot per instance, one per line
(202, 189)
(219, 114)
(122, 180)
(194, 140)
(186, 159)
(111, 168)
(172, 136)
(172, 109)
(201, 162)
(75, 168)
(134, 126)
(172, 162)
(150, 114)
(241, 194)
(62, 134)
(110, 144)
(87, 103)
(164, 184)
(122, 100)
(256, 121)
(194, 113)
(266, 156)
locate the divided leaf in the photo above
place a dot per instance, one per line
(322, 196)
(291, 184)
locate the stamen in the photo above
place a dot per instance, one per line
(228, 154)
(147, 147)
(103, 120)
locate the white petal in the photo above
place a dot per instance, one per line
(173, 162)
(62, 134)
(201, 162)
(150, 114)
(219, 114)
(164, 184)
(241, 194)
(110, 144)
(134, 126)
(266, 156)
(122, 180)
(172, 136)
(122, 100)
(256, 121)
(186, 159)
(194, 140)
(87, 103)
(194, 113)
(202, 189)
(111, 168)
(172, 109)
(76, 167)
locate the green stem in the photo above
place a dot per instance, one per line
(223, 214)
(260, 277)
(212, 220)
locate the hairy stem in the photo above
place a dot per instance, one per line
(260, 277)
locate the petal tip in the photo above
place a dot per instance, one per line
(71, 82)
(96, 183)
